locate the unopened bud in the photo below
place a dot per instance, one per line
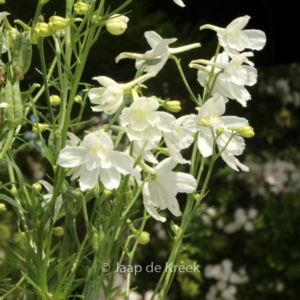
(197, 198)
(37, 186)
(116, 24)
(175, 228)
(2, 207)
(246, 131)
(203, 122)
(81, 8)
(42, 127)
(14, 191)
(78, 99)
(144, 238)
(43, 29)
(219, 131)
(58, 23)
(58, 231)
(172, 106)
(2, 1)
(54, 100)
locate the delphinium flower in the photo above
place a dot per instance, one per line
(95, 157)
(159, 54)
(229, 76)
(234, 39)
(144, 122)
(210, 125)
(161, 189)
(180, 138)
(110, 97)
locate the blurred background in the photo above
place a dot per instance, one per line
(247, 238)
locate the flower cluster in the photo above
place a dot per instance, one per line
(152, 132)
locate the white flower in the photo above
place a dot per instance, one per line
(233, 39)
(161, 190)
(47, 198)
(233, 77)
(178, 139)
(144, 122)
(95, 157)
(160, 52)
(211, 111)
(179, 2)
(109, 97)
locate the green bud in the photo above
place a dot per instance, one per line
(175, 228)
(81, 8)
(116, 24)
(144, 238)
(58, 23)
(14, 191)
(2, 1)
(172, 106)
(54, 100)
(78, 99)
(58, 231)
(42, 127)
(197, 198)
(246, 131)
(43, 29)
(2, 207)
(37, 186)
(219, 131)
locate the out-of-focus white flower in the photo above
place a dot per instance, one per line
(211, 112)
(180, 138)
(234, 75)
(159, 54)
(161, 190)
(109, 97)
(95, 157)
(234, 40)
(47, 198)
(179, 2)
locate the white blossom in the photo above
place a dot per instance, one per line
(110, 97)
(95, 157)
(212, 112)
(161, 190)
(159, 54)
(234, 40)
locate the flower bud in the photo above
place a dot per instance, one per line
(58, 23)
(14, 191)
(203, 122)
(219, 131)
(11, 36)
(2, 1)
(172, 106)
(54, 100)
(78, 99)
(246, 131)
(58, 231)
(116, 24)
(81, 8)
(37, 186)
(42, 127)
(144, 238)
(43, 29)
(2, 207)
(175, 228)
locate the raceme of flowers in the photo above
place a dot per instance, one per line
(151, 131)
